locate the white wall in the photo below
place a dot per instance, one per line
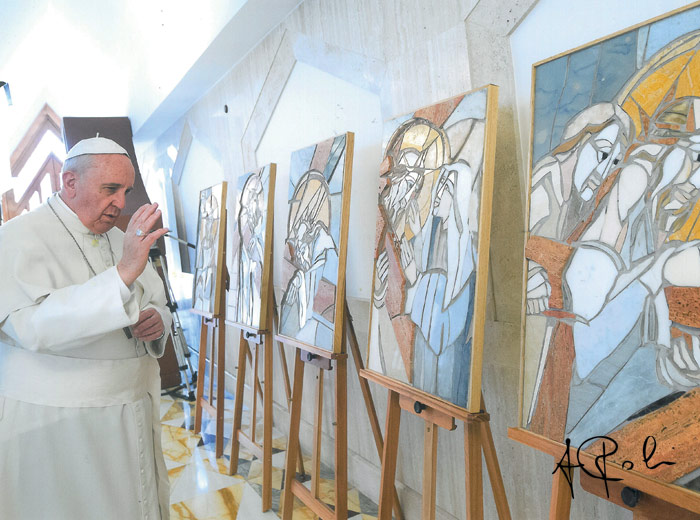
(314, 107)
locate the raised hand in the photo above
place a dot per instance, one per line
(138, 240)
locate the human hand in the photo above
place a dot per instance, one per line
(149, 327)
(413, 217)
(135, 253)
(408, 261)
(679, 365)
(292, 294)
(538, 289)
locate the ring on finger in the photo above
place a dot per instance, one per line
(139, 233)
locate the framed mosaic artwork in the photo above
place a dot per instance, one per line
(209, 253)
(313, 272)
(432, 246)
(251, 249)
(612, 297)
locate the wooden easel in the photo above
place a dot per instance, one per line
(255, 339)
(438, 413)
(213, 322)
(324, 360)
(656, 500)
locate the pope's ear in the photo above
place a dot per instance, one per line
(69, 182)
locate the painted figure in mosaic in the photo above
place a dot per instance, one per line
(311, 246)
(313, 265)
(615, 279)
(565, 183)
(611, 292)
(426, 253)
(205, 265)
(250, 231)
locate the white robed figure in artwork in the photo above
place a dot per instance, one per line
(250, 230)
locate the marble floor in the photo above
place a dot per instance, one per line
(202, 489)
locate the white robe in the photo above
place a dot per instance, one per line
(79, 401)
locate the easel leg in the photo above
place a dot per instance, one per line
(369, 402)
(285, 375)
(391, 446)
(254, 397)
(238, 407)
(495, 477)
(201, 371)
(267, 428)
(257, 386)
(472, 465)
(287, 506)
(341, 438)
(318, 430)
(560, 506)
(211, 339)
(220, 384)
(430, 443)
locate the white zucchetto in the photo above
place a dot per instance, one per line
(95, 146)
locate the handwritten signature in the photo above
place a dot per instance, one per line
(565, 464)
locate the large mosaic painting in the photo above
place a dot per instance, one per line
(251, 248)
(313, 273)
(612, 332)
(431, 257)
(208, 267)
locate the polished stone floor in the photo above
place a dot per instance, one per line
(200, 486)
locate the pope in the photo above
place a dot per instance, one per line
(82, 321)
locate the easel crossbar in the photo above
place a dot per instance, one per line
(670, 493)
(478, 440)
(292, 487)
(252, 446)
(318, 507)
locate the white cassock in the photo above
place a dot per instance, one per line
(79, 401)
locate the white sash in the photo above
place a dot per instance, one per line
(50, 380)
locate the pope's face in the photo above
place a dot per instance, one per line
(98, 195)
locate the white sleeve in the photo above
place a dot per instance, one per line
(68, 316)
(154, 298)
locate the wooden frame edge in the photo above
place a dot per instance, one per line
(483, 250)
(339, 325)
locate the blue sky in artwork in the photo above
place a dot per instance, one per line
(473, 106)
(617, 65)
(665, 31)
(335, 165)
(576, 94)
(299, 165)
(549, 81)
(391, 126)
(242, 180)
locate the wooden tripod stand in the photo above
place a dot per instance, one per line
(212, 327)
(251, 341)
(324, 360)
(438, 413)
